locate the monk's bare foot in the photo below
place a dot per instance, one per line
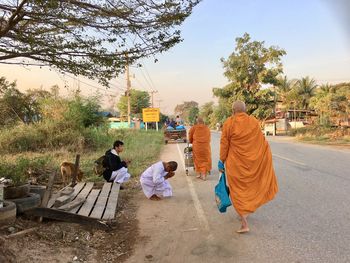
(204, 177)
(244, 227)
(243, 230)
(198, 176)
(155, 198)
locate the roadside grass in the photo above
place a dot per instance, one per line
(323, 135)
(141, 147)
(325, 139)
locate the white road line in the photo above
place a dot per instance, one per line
(199, 209)
(287, 159)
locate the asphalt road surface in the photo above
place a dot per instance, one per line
(309, 220)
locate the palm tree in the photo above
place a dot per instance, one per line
(306, 88)
(284, 88)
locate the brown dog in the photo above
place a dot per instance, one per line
(67, 170)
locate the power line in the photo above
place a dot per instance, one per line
(153, 86)
(88, 84)
(140, 83)
(144, 76)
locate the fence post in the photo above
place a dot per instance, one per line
(75, 172)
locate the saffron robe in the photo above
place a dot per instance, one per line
(199, 136)
(248, 163)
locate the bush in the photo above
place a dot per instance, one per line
(52, 136)
(21, 169)
(83, 112)
(322, 134)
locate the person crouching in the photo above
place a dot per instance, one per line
(116, 170)
(154, 180)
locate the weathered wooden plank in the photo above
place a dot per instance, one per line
(53, 199)
(77, 202)
(68, 190)
(66, 216)
(62, 200)
(75, 171)
(47, 193)
(89, 203)
(77, 189)
(112, 202)
(65, 199)
(101, 201)
(83, 194)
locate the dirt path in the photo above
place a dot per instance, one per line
(176, 229)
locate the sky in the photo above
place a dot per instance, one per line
(314, 33)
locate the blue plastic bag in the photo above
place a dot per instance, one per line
(221, 165)
(180, 127)
(222, 196)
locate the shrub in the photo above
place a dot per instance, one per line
(52, 136)
(20, 170)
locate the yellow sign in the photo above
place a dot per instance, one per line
(150, 114)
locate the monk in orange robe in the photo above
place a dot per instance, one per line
(248, 163)
(199, 136)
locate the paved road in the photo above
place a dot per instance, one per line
(309, 221)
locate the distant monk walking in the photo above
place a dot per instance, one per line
(248, 162)
(199, 136)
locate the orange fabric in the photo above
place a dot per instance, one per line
(248, 163)
(200, 139)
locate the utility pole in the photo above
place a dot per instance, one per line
(128, 87)
(159, 101)
(152, 92)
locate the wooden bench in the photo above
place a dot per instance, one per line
(87, 204)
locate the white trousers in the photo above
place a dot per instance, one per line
(120, 176)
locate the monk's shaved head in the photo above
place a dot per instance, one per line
(238, 106)
(200, 120)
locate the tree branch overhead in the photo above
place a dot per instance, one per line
(88, 37)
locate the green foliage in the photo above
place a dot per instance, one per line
(249, 67)
(83, 112)
(163, 119)
(332, 103)
(138, 100)
(21, 169)
(322, 134)
(193, 114)
(90, 38)
(305, 90)
(68, 126)
(16, 106)
(285, 88)
(184, 110)
(142, 148)
(206, 111)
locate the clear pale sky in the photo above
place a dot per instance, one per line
(315, 34)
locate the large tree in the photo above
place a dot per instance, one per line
(184, 109)
(18, 106)
(248, 69)
(138, 100)
(305, 88)
(206, 112)
(285, 88)
(88, 37)
(332, 102)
